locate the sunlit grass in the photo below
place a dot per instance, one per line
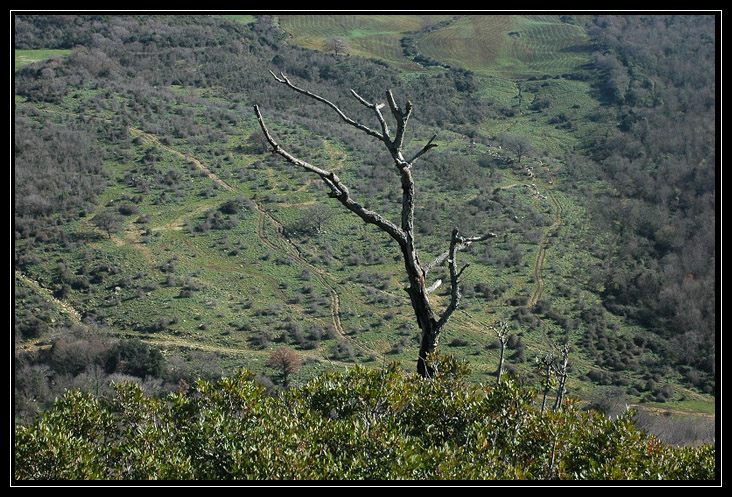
(25, 57)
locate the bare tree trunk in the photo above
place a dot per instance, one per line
(502, 333)
(548, 363)
(562, 374)
(430, 324)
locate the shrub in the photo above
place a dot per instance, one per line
(127, 209)
(357, 424)
(135, 358)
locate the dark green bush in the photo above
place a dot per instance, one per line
(135, 358)
(358, 424)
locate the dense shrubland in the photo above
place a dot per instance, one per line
(58, 174)
(89, 359)
(660, 84)
(361, 424)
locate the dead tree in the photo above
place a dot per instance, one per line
(546, 365)
(561, 369)
(431, 323)
(557, 365)
(502, 334)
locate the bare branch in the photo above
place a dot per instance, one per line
(454, 276)
(436, 262)
(424, 150)
(434, 286)
(283, 79)
(339, 190)
(457, 243)
(401, 118)
(279, 150)
(464, 243)
(377, 110)
(502, 334)
(365, 102)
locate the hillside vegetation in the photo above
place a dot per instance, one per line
(157, 239)
(363, 424)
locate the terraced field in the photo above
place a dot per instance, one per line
(515, 46)
(542, 45)
(375, 36)
(472, 42)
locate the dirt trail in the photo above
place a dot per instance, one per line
(287, 248)
(151, 138)
(281, 243)
(290, 250)
(541, 255)
(62, 306)
(543, 244)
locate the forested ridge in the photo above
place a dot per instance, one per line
(152, 114)
(662, 269)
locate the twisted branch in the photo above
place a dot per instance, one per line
(283, 79)
(404, 234)
(457, 243)
(461, 243)
(338, 190)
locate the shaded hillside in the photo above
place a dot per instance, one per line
(661, 162)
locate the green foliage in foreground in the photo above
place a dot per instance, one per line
(360, 424)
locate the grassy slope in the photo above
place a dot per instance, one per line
(25, 57)
(253, 280)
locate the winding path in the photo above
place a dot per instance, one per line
(288, 249)
(550, 231)
(62, 306)
(541, 255)
(282, 245)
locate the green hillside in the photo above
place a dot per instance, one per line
(147, 206)
(25, 57)
(513, 46)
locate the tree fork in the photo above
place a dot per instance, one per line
(430, 325)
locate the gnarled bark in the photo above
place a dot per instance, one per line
(430, 324)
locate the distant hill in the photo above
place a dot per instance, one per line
(514, 46)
